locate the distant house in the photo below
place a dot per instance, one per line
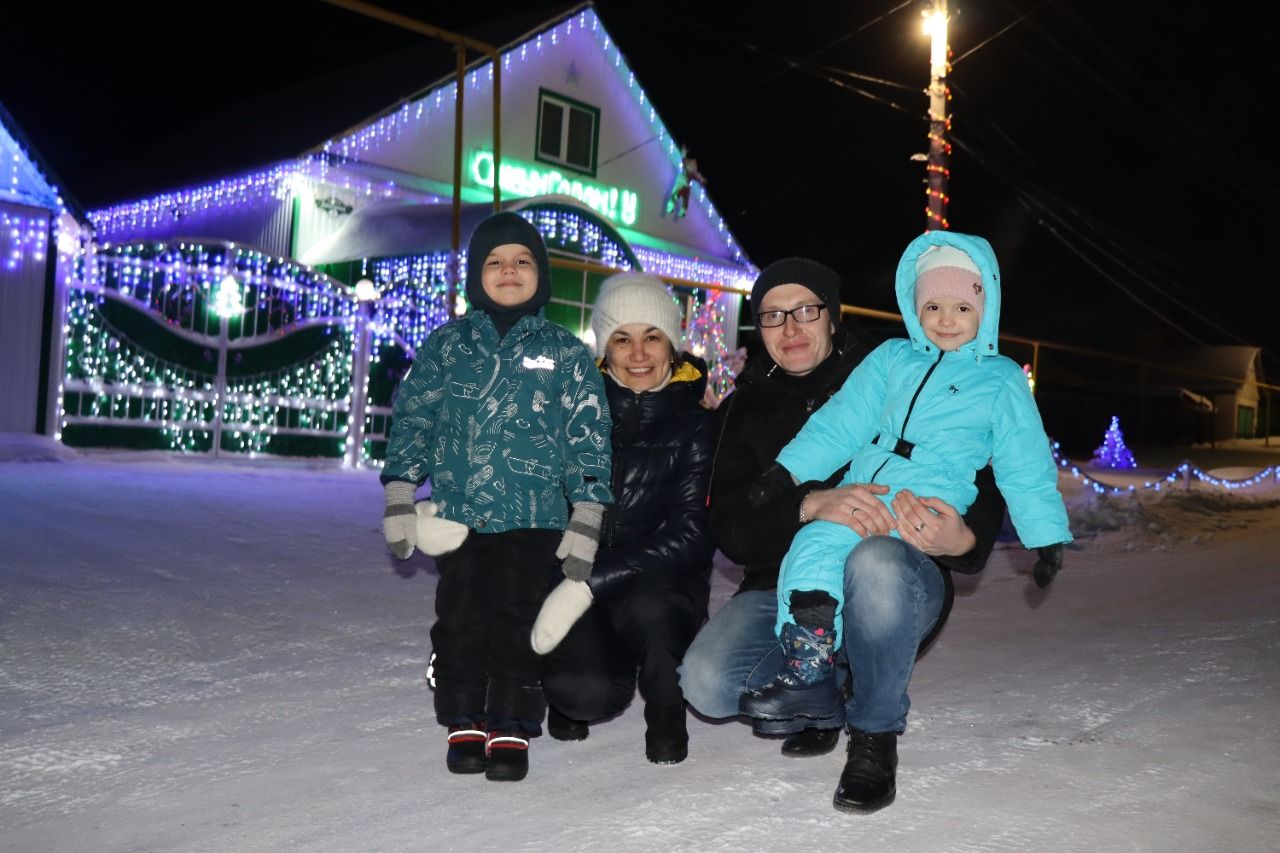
(224, 317)
(1191, 396)
(40, 229)
(1222, 380)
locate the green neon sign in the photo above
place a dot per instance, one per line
(526, 181)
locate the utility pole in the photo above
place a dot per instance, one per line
(937, 169)
(461, 44)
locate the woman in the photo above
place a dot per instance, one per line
(650, 582)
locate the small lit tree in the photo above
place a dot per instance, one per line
(704, 336)
(1113, 453)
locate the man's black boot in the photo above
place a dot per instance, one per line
(870, 772)
(810, 741)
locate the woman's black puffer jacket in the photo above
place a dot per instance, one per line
(663, 445)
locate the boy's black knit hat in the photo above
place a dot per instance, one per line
(499, 230)
(822, 280)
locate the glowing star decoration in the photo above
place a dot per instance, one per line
(228, 301)
(1113, 453)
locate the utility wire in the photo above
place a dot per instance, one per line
(980, 45)
(787, 63)
(1160, 94)
(1032, 197)
(1241, 182)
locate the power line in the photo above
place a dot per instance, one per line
(1031, 197)
(1159, 93)
(989, 39)
(788, 64)
(1240, 182)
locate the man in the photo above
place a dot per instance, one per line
(796, 303)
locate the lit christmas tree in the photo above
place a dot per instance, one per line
(705, 337)
(1113, 453)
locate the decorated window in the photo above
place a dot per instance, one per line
(568, 132)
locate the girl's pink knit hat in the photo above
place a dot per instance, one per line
(948, 271)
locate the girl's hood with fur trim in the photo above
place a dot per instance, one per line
(988, 338)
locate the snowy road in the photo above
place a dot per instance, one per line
(217, 657)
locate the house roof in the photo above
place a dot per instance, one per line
(41, 186)
(1232, 361)
(447, 79)
(331, 154)
(586, 12)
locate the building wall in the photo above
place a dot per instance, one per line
(24, 262)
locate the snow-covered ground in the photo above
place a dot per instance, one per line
(200, 656)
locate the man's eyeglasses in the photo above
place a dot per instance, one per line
(801, 314)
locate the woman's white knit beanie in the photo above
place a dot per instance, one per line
(635, 297)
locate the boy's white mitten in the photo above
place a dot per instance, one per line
(581, 538)
(562, 609)
(438, 535)
(399, 526)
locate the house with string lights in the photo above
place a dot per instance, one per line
(40, 233)
(276, 311)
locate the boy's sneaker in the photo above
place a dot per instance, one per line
(466, 749)
(508, 757)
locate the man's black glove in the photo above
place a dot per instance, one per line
(1048, 564)
(774, 481)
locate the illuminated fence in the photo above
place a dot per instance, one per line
(212, 347)
(1182, 475)
(208, 347)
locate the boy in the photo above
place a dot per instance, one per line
(924, 414)
(506, 413)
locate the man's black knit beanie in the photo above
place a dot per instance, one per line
(822, 280)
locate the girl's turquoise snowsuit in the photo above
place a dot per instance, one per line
(959, 409)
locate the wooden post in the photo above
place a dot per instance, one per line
(455, 254)
(497, 130)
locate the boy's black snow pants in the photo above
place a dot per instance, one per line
(489, 594)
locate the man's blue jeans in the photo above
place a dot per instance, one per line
(735, 652)
(893, 596)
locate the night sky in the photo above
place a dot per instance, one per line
(1117, 160)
